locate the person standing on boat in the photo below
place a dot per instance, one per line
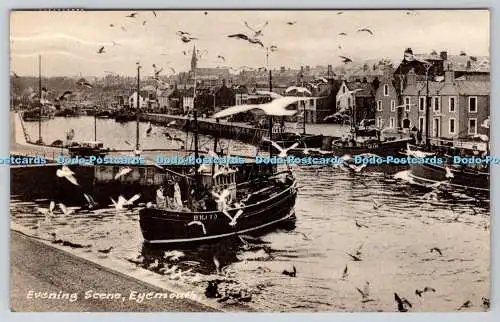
(161, 201)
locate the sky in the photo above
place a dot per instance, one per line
(68, 41)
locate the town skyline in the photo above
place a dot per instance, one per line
(66, 40)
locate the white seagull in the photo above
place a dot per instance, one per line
(449, 174)
(65, 172)
(48, 212)
(173, 255)
(258, 30)
(120, 203)
(282, 152)
(67, 211)
(123, 172)
(298, 90)
(171, 123)
(277, 107)
(486, 123)
(199, 223)
(90, 201)
(233, 222)
(131, 201)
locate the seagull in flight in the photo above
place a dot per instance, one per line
(291, 23)
(298, 89)
(282, 151)
(233, 222)
(221, 57)
(119, 205)
(186, 39)
(345, 59)
(437, 250)
(257, 31)
(182, 33)
(366, 30)
(123, 172)
(342, 34)
(199, 223)
(65, 95)
(376, 205)
(49, 213)
(365, 292)
(101, 50)
(174, 255)
(403, 304)
(67, 211)
(132, 15)
(154, 13)
(91, 203)
(426, 289)
(245, 37)
(277, 107)
(65, 172)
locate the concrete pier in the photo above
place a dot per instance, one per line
(223, 129)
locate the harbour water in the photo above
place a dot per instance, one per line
(390, 223)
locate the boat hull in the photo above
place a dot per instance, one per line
(161, 226)
(426, 174)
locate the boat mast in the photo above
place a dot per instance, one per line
(40, 92)
(304, 110)
(270, 117)
(195, 114)
(137, 108)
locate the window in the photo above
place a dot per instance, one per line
(452, 102)
(386, 90)
(407, 104)
(421, 104)
(343, 89)
(451, 126)
(421, 124)
(379, 122)
(379, 105)
(435, 102)
(473, 104)
(472, 126)
(393, 106)
(391, 122)
(348, 102)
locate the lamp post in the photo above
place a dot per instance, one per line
(40, 140)
(137, 145)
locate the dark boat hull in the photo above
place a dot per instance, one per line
(288, 139)
(426, 174)
(160, 226)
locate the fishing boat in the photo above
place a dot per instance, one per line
(461, 175)
(88, 148)
(370, 140)
(219, 203)
(255, 204)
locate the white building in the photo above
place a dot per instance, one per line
(132, 101)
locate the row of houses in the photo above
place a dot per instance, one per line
(455, 92)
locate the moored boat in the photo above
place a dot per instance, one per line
(257, 204)
(475, 176)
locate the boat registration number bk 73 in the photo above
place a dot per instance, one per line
(205, 217)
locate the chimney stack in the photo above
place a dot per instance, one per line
(449, 74)
(443, 55)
